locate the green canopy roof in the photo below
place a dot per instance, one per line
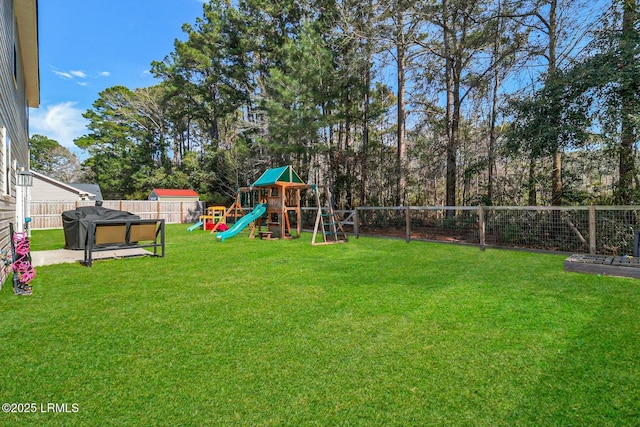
(284, 174)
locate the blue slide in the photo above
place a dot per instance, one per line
(196, 225)
(256, 213)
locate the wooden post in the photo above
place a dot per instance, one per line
(407, 221)
(481, 227)
(182, 212)
(298, 212)
(356, 231)
(120, 205)
(592, 230)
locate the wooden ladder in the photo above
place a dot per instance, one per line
(327, 222)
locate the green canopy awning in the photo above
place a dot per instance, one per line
(282, 175)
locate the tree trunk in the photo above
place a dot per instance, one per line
(556, 179)
(452, 147)
(630, 88)
(214, 130)
(450, 185)
(492, 139)
(533, 199)
(402, 147)
(347, 170)
(494, 111)
(556, 173)
(365, 134)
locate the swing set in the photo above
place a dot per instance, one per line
(278, 191)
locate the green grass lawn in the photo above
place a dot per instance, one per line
(375, 332)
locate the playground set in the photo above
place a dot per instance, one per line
(214, 219)
(271, 207)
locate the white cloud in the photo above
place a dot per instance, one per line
(105, 73)
(70, 75)
(61, 122)
(63, 74)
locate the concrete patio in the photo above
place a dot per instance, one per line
(61, 256)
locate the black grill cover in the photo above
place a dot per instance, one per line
(76, 223)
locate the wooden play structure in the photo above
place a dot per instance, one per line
(214, 217)
(280, 190)
(275, 198)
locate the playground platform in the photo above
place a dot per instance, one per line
(620, 266)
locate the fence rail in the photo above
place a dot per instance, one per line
(45, 215)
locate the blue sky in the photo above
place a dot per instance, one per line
(87, 46)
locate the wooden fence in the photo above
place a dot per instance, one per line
(45, 215)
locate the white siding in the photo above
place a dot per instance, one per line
(13, 114)
(45, 191)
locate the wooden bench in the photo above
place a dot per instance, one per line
(265, 235)
(110, 235)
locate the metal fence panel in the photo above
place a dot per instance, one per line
(605, 230)
(565, 230)
(615, 229)
(448, 224)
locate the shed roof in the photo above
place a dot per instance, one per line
(173, 192)
(284, 174)
(89, 188)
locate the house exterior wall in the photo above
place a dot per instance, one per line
(169, 198)
(175, 199)
(45, 191)
(14, 123)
